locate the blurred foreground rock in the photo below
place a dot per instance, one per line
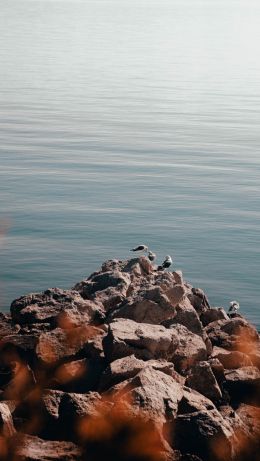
(132, 364)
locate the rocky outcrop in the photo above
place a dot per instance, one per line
(132, 363)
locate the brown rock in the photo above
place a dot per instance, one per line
(145, 341)
(249, 446)
(192, 402)
(213, 314)
(198, 299)
(205, 434)
(217, 369)
(74, 407)
(6, 328)
(127, 367)
(78, 375)
(243, 385)
(231, 359)
(190, 348)
(120, 370)
(250, 416)
(187, 316)
(153, 393)
(63, 345)
(202, 379)
(233, 334)
(108, 288)
(16, 346)
(151, 306)
(38, 413)
(6, 421)
(49, 307)
(31, 448)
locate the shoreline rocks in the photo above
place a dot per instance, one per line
(131, 363)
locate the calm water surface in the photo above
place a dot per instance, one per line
(125, 122)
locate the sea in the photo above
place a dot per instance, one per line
(126, 122)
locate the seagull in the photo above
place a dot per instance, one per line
(140, 248)
(234, 306)
(151, 256)
(166, 263)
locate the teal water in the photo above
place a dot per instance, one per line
(125, 122)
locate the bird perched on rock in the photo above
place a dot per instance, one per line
(151, 256)
(140, 248)
(166, 263)
(234, 306)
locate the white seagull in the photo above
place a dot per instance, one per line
(166, 263)
(151, 256)
(140, 248)
(234, 306)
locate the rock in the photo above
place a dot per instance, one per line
(6, 328)
(108, 288)
(217, 369)
(213, 314)
(127, 367)
(187, 316)
(38, 413)
(192, 402)
(233, 334)
(49, 306)
(202, 379)
(126, 337)
(60, 345)
(130, 361)
(231, 359)
(243, 384)
(250, 416)
(78, 375)
(153, 393)
(199, 300)
(205, 434)
(254, 355)
(17, 347)
(151, 306)
(7, 428)
(73, 407)
(190, 348)
(31, 448)
(249, 446)
(120, 370)
(22, 381)
(121, 434)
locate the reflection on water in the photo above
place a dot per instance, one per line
(127, 122)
